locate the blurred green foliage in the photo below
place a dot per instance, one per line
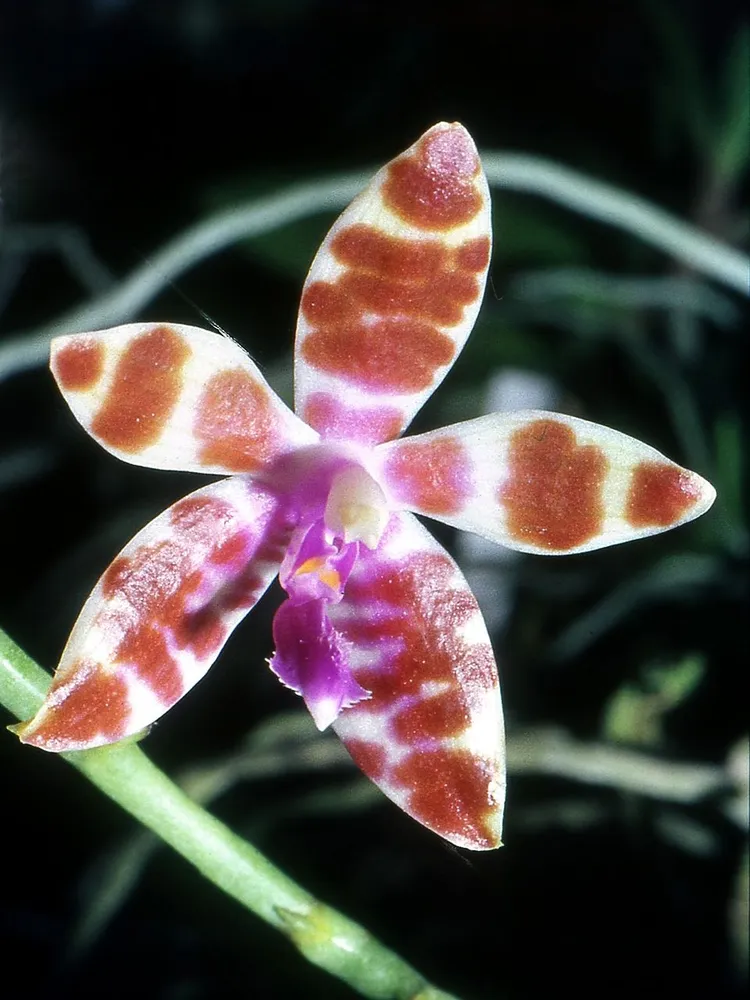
(634, 714)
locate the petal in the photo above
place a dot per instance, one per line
(431, 735)
(174, 397)
(542, 482)
(394, 291)
(160, 614)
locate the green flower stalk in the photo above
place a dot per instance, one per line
(124, 773)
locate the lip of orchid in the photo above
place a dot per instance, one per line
(312, 660)
(311, 657)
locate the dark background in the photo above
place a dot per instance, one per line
(128, 120)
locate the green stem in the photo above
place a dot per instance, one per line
(324, 936)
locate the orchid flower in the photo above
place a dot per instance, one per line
(379, 632)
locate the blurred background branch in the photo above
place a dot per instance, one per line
(508, 171)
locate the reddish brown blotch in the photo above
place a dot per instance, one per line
(146, 387)
(377, 324)
(234, 422)
(79, 366)
(95, 703)
(448, 789)
(660, 494)
(433, 186)
(552, 495)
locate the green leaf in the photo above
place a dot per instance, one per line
(730, 465)
(675, 683)
(733, 140)
(526, 234)
(684, 98)
(287, 249)
(635, 713)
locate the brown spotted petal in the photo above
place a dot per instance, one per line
(159, 616)
(394, 291)
(431, 733)
(542, 482)
(174, 397)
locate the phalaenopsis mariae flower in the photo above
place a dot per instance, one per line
(379, 631)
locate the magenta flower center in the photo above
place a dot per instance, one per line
(311, 657)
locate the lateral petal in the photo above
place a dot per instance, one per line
(175, 397)
(431, 734)
(394, 291)
(542, 482)
(159, 616)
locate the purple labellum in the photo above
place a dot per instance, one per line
(310, 659)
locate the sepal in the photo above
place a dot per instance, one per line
(175, 397)
(394, 291)
(542, 482)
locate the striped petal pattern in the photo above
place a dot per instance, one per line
(159, 616)
(542, 482)
(394, 291)
(175, 397)
(431, 735)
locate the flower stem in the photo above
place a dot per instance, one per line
(323, 935)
